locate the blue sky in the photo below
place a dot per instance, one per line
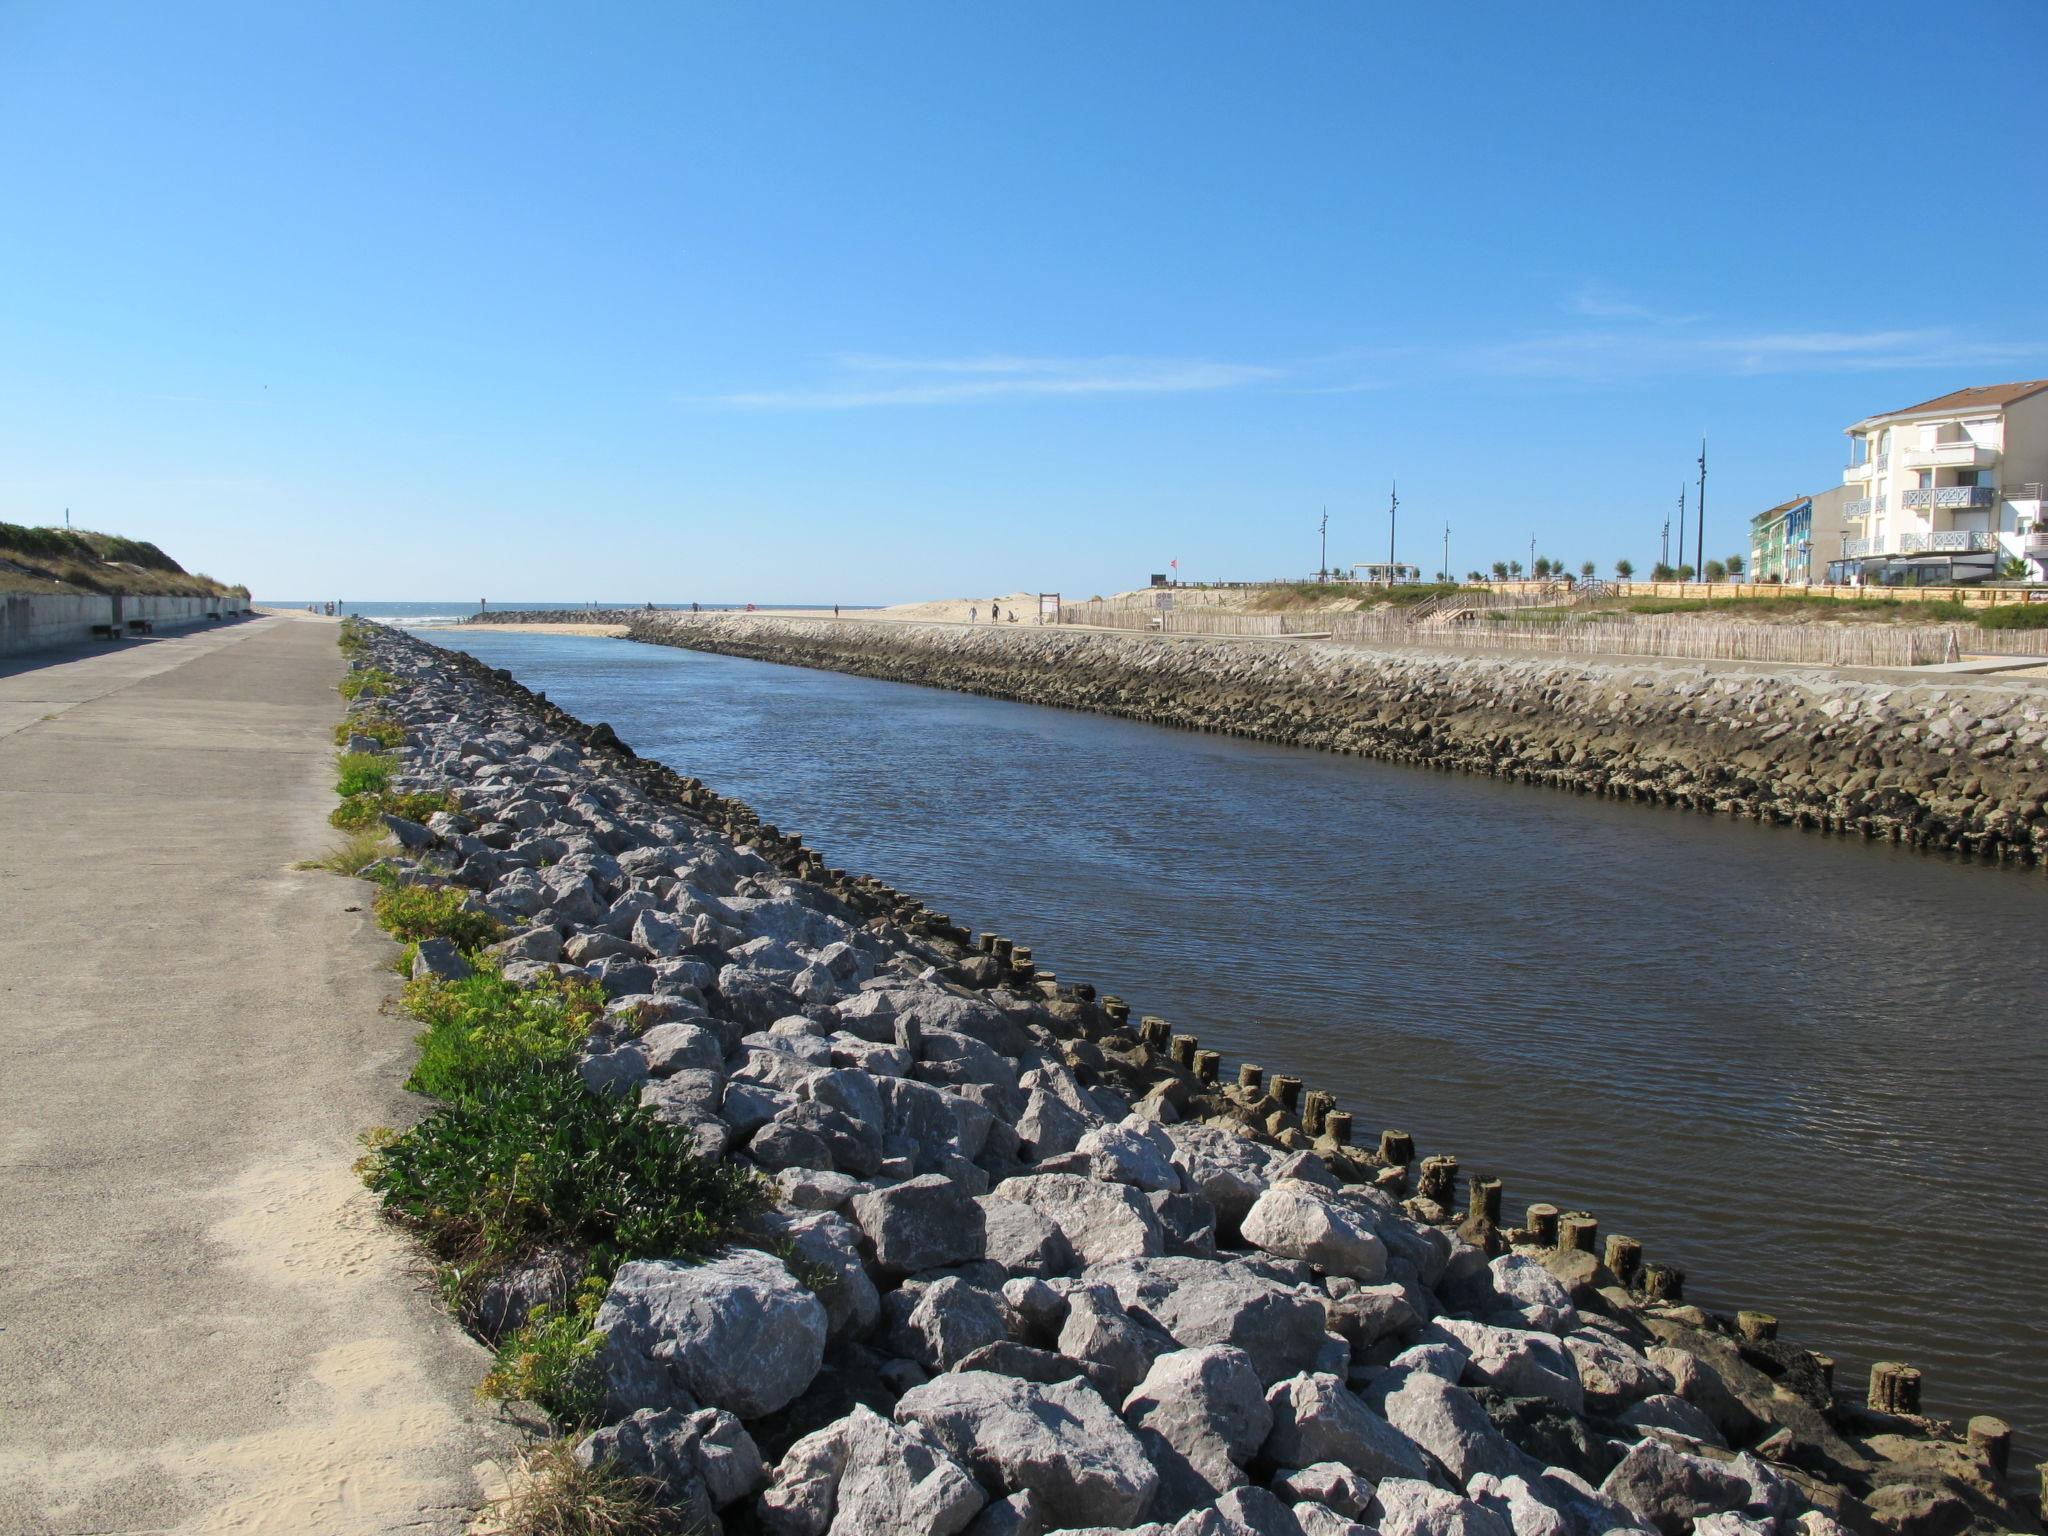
(785, 302)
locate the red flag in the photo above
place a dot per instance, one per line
(1174, 563)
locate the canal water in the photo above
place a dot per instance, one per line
(1808, 1071)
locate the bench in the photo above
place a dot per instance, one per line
(141, 627)
(105, 632)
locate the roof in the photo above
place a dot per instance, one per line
(1771, 514)
(1979, 397)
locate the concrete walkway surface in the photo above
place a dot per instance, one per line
(203, 1324)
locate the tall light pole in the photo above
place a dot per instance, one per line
(1665, 558)
(1447, 552)
(1681, 525)
(1393, 506)
(1699, 543)
(1324, 573)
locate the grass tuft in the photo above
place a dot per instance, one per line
(362, 810)
(559, 1496)
(350, 854)
(2014, 616)
(382, 729)
(371, 683)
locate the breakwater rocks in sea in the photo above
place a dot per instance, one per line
(560, 615)
(1938, 765)
(1036, 1266)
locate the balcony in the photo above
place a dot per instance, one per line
(1857, 473)
(1860, 508)
(2034, 545)
(1950, 541)
(1948, 496)
(1961, 454)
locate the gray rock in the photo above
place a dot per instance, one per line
(702, 1461)
(1317, 1418)
(1117, 1351)
(1535, 1292)
(1007, 1358)
(1669, 1489)
(1519, 1361)
(681, 1046)
(1245, 1511)
(849, 1090)
(1612, 1374)
(1668, 1412)
(540, 944)
(1231, 1170)
(1040, 1310)
(1520, 1503)
(1201, 1302)
(1050, 1125)
(1329, 1483)
(826, 1246)
(1201, 1415)
(1297, 1220)
(1023, 1239)
(922, 1223)
(738, 1333)
(440, 960)
(865, 1476)
(1122, 1154)
(1061, 1442)
(1320, 1520)
(931, 1121)
(1188, 1222)
(814, 1189)
(1102, 1223)
(1447, 1423)
(1018, 1515)
(851, 1146)
(951, 1321)
(1407, 1507)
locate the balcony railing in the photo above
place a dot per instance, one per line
(1950, 496)
(1962, 454)
(1860, 508)
(1951, 541)
(1863, 471)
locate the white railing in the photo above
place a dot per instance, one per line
(1950, 496)
(1852, 548)
(1862, 507)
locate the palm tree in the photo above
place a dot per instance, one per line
(1587, 568)
(1500, 570)
(1624, 569)
(1515, 569)
(1733, 564)
(1715, 571)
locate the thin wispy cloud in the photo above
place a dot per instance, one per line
(862, 380)
(1617, 353)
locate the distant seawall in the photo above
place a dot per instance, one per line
(1935, 765)
(558, 616)
(36, 621)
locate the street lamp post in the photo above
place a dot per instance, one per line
(1323, 574)
(1393, 506)
(1699, 543)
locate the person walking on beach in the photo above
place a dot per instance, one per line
(835, 610)
(973, 612)
(995, 614)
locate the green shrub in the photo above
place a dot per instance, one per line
(361, 773)
(2014, 616)
(371, 683)
(533, 1159)
(415, 912)
(359, 811)
(484, 1028)
(382, 729)
(555, 1360)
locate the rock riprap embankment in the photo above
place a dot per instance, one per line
(559, 615)
(1032, 1270)
(1938, 765)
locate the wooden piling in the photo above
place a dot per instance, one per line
(1208, 1065)
(1337, 1123)
(1251, 1077)
(1894, 1387)
(1397, 1148)
(1624, 1258)
(1578, 1232)
(1484, 1204)
(1540, 1223)
(1991, 1443)
(1184, 1049)
(1438, 1180)
(1663, 1282)
(1288, 1091)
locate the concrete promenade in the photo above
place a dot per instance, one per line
(203, 1326)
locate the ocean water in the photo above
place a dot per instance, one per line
(1808, 1071)
(455, 610)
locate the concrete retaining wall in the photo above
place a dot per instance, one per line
(38, 621)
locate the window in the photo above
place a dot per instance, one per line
(1969, 477)
(1923, 478)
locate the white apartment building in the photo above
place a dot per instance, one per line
(1962, 473)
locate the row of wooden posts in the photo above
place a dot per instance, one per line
(1894, 1386)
